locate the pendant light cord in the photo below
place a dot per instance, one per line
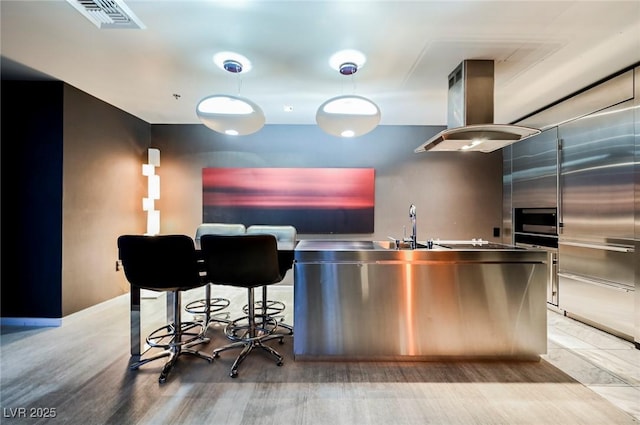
(353, 85)
(239, 84)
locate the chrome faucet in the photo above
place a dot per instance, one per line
(412, 216)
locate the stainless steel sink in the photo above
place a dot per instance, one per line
(389, 244)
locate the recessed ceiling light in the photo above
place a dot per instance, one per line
(348, 68)
(232, 66)
(353, 57)
(225, 60)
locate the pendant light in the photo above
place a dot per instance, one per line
(348, 115)
(229, 114)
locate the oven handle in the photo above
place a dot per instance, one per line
(529, 245)
(596, 246)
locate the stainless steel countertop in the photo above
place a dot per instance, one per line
(385, 251)
(388, 245)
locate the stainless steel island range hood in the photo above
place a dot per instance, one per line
(470, 114)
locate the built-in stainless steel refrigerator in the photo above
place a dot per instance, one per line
(598, 199)
(597, 238)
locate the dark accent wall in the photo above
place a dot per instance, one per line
(32, 161)
(75, 185)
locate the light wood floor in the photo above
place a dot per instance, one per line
(80, 370)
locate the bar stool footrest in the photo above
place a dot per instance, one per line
(165, 336)
(272, 308)
(200, 306)
(240, 328)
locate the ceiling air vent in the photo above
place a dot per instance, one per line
(108, 14)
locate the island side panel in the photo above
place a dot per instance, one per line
(420, 309)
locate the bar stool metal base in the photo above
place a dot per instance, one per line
(249, 332)
(270, 308)
(173, 351)
(175, 341)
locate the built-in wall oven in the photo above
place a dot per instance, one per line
(538, 228)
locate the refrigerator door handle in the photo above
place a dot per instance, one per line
(560, 216)
(594, 282)
(596, 246)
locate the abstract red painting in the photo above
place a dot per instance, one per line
(314, 200)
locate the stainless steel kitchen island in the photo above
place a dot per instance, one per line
(367, 300)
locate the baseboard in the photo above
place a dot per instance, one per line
(31, 321)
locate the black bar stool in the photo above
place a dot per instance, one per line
(167, 263)
(246, 261)
(286, 237)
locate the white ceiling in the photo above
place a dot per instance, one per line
(543, 50)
